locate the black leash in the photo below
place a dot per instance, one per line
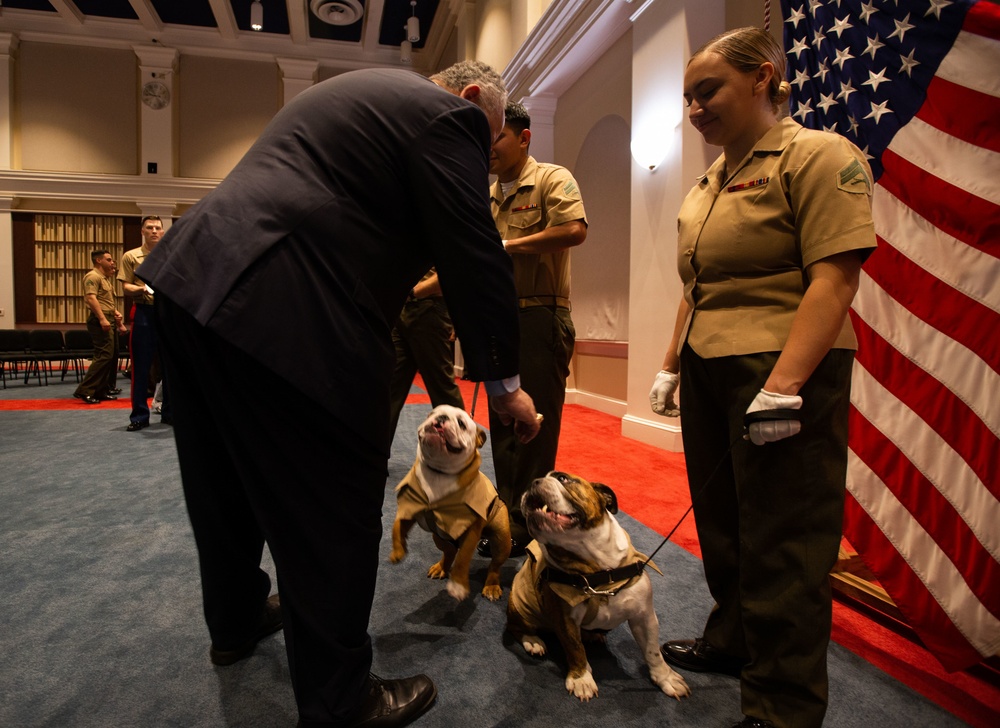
(587, 582)
(748, 419)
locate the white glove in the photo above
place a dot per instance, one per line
(661, 396)
(773, 430)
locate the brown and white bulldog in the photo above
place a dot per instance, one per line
(446, 494)
(583, 574)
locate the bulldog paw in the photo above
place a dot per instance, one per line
(533, 645)
(582, 687)
(397, 555)
(437, 572)
(457, 590)
(670, 682)
(493, 592)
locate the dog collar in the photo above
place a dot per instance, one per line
(587, 582)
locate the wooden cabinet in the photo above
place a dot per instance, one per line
(51, 257)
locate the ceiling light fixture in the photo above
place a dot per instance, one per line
(256, 15)
(413, 24)
(337, 12)
(406, 52)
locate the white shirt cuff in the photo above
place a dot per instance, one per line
(498, 387)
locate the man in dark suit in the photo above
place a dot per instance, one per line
(286, 280)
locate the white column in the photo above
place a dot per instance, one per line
(296, 76)
(8, 47)
(6, 264)
(157, 126)
(465, 32)
(662, 34)
(542, 110)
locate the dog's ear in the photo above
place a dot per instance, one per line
(608, 495)
(480, 436)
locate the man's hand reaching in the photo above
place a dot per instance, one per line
(518, 407)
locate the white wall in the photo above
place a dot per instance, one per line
(224, 105)
(664, 36)
(76, 109)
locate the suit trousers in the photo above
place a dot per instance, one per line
(423, 340)
(103, 369)
(547, 340)
(284, 472)
(769, 522)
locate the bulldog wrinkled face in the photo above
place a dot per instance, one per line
(562, 502)
(448, 438)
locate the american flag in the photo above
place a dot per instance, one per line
(916, 85)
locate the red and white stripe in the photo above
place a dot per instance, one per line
(924, 461)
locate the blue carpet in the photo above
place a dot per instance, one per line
(103, 615)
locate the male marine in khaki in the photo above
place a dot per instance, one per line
(539, 213)
(104, 323)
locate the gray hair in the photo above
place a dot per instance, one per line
(492, 90)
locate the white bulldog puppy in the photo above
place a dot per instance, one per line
(447, 495)
(582, 574)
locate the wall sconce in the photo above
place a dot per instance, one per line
(413, 24)
(653, 137)
(256, 15)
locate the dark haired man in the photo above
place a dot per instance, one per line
(540, 216)
(103, 324)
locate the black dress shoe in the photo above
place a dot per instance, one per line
(483, 548)
(394, 703)
(699, 656)
(749, 722)
(270, 623)
(87, 399)
(107, 397)
(136, 426)
(116, 390)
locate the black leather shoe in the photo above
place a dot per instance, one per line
(87, 399)
(394, 703)
(749, 722)
(107, 397)
(483, 548)
(136, 426)
(699, 656)
(270, 623)
(116, 390)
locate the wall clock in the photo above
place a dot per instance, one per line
(155, 94)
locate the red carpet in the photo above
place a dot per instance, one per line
(651, 485)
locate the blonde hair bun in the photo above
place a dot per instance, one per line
(784, 91)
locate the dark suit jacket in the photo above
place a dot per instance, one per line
(304, 254)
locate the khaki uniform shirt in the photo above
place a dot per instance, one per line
(452, 515)
(97, 283)
(544, 195)
(131, 260)
(744, 241)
